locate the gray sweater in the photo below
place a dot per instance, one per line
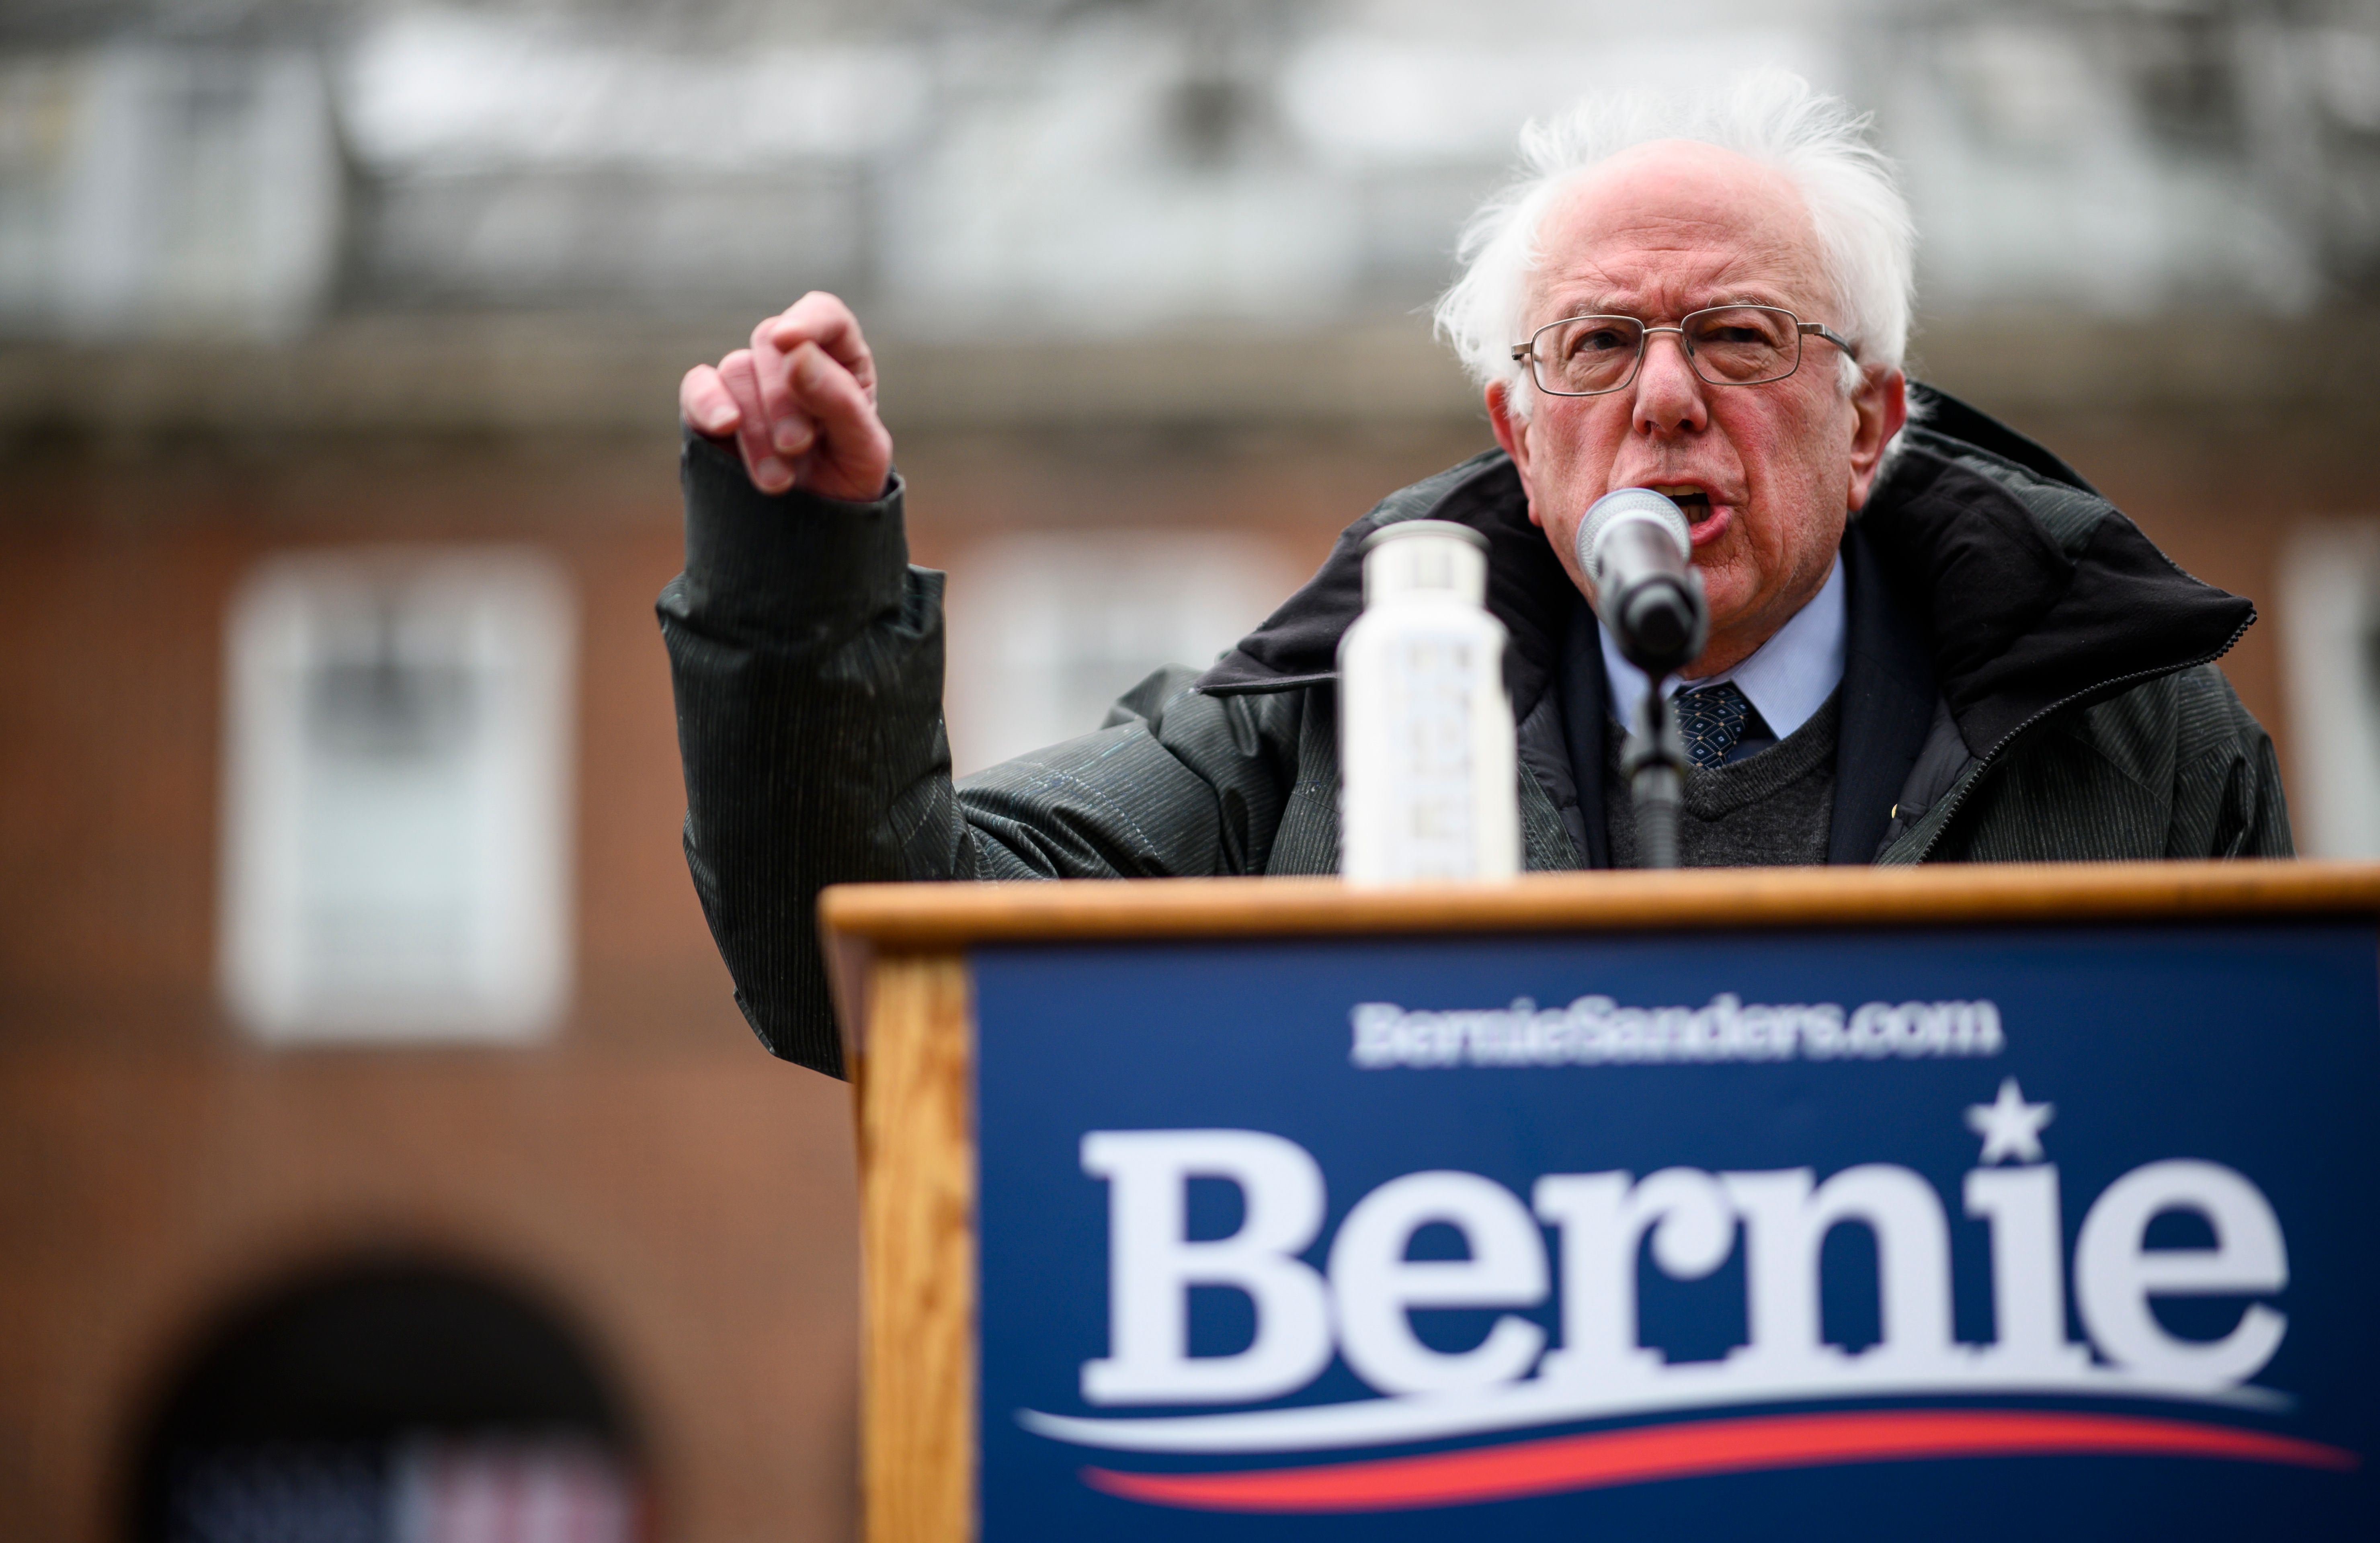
(1767, 809)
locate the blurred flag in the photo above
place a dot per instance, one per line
(425, 1489)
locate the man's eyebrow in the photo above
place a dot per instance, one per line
(1601, 306)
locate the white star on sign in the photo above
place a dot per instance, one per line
(2010, 1126)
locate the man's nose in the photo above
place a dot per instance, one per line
(1668, 393)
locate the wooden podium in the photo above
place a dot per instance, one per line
(2118, 1031)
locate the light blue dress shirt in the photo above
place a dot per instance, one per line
(1786, 679)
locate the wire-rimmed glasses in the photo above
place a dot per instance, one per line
(1587, 356)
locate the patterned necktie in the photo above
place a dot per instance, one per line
(1710, 719)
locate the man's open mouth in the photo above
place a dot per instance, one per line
(1694, 502)
(1704, 523)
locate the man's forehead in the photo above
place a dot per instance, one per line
(1680, 226)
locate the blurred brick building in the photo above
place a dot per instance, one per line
(673, 1203)
(338, 346)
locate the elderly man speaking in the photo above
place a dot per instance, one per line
(1931, 641)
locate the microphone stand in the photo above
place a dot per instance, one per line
(1655, 764)
(1637, 549)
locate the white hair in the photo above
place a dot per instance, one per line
(1767, 116)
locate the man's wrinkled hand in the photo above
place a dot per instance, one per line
(800, 402)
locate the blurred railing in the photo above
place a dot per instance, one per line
(528, 372)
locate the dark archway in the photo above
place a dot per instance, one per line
(388, 1402)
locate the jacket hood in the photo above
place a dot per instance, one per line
(1528, 590)
(2034, 591)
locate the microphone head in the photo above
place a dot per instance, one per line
(1629, 504)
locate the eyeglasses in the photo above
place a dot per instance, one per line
(1587, 356)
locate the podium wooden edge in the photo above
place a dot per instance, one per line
(897, 955)
(863, 917)
(916, 1183)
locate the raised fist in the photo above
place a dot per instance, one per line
(800, 402)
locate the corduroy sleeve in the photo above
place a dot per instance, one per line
(2227, 800)
(806, 655)
(807, 658)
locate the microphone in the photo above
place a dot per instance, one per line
(1635, 547)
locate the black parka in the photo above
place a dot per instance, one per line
(2027, 678)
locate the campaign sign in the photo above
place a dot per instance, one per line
(1952, 1234)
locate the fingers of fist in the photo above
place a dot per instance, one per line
(705, 403)
(824, 322)
(739, 373)
(800, 401)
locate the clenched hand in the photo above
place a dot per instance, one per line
(800, 402)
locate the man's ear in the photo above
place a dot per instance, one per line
(1880, 408)
(1512, 433)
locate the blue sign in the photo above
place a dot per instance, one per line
(1933, 1234)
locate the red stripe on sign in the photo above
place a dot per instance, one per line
(1646, 1453)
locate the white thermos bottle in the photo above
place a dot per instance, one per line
(1428, 787)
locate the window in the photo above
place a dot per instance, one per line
(397, 808)
(1047, 630)
(2330, 637)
